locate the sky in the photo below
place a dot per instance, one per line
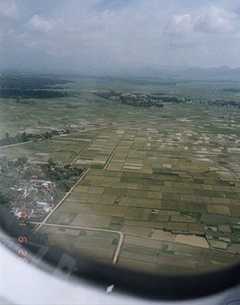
(118, 36)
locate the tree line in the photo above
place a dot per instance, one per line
(30, 93)
(8, 140)
(21, 81)
(25, 137)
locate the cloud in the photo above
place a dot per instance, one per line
(7, 36)
(38, 23)
(205, 36)
(132, 33)
(181, 24)
(215, 20)
(8, 9)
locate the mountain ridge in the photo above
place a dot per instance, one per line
(214, 73)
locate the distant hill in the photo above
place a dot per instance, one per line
(221, 73)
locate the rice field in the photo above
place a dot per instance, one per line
(166, 180)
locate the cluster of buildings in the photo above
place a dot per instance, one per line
(35, 198)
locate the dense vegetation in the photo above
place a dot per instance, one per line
(137, 100)
(10, 178)
(20, 81)
(158, 99)
(24, 86)
(29, 93)
(25, 137)
(231, 90)
(8, 140)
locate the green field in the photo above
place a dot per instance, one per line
(165, 180)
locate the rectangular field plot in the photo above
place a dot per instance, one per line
(62, 150)
(100, 245)
(154, 255)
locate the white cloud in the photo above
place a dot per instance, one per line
(215, 20)
(138, 33)
(8, 9)
(6, 36)
(38, 23)
(182, 23)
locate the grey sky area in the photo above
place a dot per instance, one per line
(118, 36)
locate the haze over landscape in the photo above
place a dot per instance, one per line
(118, 37)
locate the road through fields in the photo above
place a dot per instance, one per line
(121, 235)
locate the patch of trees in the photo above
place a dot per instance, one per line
(5, 163)
(145, 82)
(29, 93)
(133, 99)
(158, 99)
(167, 99)
(54, 172)
(8, 195)
(107, 94)
(21, 81)
(231, 90)
(63, 176)
(139, 100)
(9, 178)
(16, 85)
(222, 103)
(8, 140)
(47, 135)
(25, 137)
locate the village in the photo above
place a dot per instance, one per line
(34, 189)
